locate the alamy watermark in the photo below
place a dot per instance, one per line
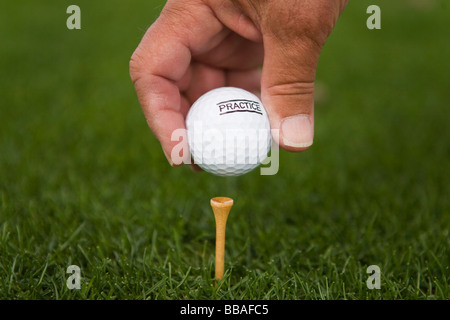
(230, 147)
(374, 20)
(74, 281)
(374, 280)
(74, 20)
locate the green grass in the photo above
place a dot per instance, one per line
(84, 182)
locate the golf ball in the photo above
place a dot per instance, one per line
(228, 131)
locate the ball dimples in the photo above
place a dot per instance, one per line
(228, 131)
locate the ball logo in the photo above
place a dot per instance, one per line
(239, 105)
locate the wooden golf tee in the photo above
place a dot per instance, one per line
(221, 207)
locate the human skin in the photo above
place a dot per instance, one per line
(199, 45)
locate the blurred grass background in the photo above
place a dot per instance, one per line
(83, 181)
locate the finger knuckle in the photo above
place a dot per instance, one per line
(135, 66)
(296, 88)
(308, 19)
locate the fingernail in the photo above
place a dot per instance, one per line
(169, 158)
(195, 167)
(297, 131)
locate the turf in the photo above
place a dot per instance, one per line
(84, 182)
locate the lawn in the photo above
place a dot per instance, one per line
(84, 182)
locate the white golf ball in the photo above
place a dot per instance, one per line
(228, 131)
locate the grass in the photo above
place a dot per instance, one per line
(84, 182)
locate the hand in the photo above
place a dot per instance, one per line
(198, 45)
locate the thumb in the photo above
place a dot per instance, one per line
(287, 89)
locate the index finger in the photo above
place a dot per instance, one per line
(155, 67)
(162, 60)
